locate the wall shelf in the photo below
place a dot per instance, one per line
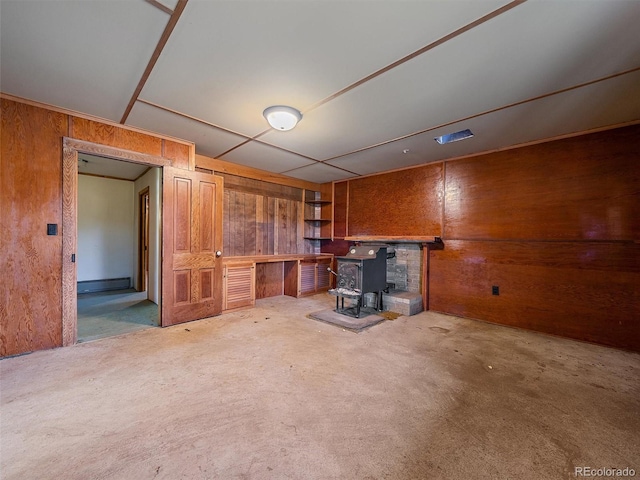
(318, 219)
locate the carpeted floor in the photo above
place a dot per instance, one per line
(269, 394)
(107, 314)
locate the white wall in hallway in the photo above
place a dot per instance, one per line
(105, 228)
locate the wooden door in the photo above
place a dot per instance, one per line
(191, 238)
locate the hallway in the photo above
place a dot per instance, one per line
(117, 312)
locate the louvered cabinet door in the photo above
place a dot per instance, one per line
(239, 286)
(323, 278)
(307, 278)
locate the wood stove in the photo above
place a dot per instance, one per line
(362, 270)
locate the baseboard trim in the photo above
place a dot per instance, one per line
(104, 285)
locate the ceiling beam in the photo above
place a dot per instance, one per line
(161, 6)
(173, 20)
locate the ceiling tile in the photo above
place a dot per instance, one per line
(320, 173)
(83, 56)
(227, 61)
(597, 105)
(265, 157)
(532, 50)
(209, 141)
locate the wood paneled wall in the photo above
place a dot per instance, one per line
(31, 198)
(261, 218)
(378, 204)
(556, 226)
(30, 307)
(583, 188)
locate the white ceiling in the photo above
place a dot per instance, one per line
(372, 78)
(106, 167)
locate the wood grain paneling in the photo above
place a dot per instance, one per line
(207, 218)
(221, 167)
(587, 291)
(113, 136)
(30, 198)
(178, 153)
(182, 220)
(69, 246)
(269, 279)
(555, 225)
(249, 223)
(259, 225)
(340, 202)
(257, 187)
(581, 188)
(405, 203)
(207, 283)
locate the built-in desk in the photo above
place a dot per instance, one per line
(253, 277)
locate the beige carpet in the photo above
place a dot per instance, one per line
(267, 393)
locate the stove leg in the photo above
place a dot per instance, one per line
(337, 304)
(380, 308)
(358, 307)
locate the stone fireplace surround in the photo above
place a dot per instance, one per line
(404, 274)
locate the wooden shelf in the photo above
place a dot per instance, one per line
(317, 219)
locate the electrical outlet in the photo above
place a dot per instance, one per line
(495, 290)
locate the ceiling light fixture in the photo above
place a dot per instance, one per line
(454, 137)
(281, 117)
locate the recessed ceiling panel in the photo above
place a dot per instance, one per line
(531, 50)
(265, 157)
(320, 173)
(227, 61)
(209, 141)
(84, 56)
(598, 105)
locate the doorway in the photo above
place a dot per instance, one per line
(113, 247)
(72, 150)
(143, 240)
(189, 233)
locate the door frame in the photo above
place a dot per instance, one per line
(143, 240)
(70, 149)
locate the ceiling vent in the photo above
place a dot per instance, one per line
(454, 137)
